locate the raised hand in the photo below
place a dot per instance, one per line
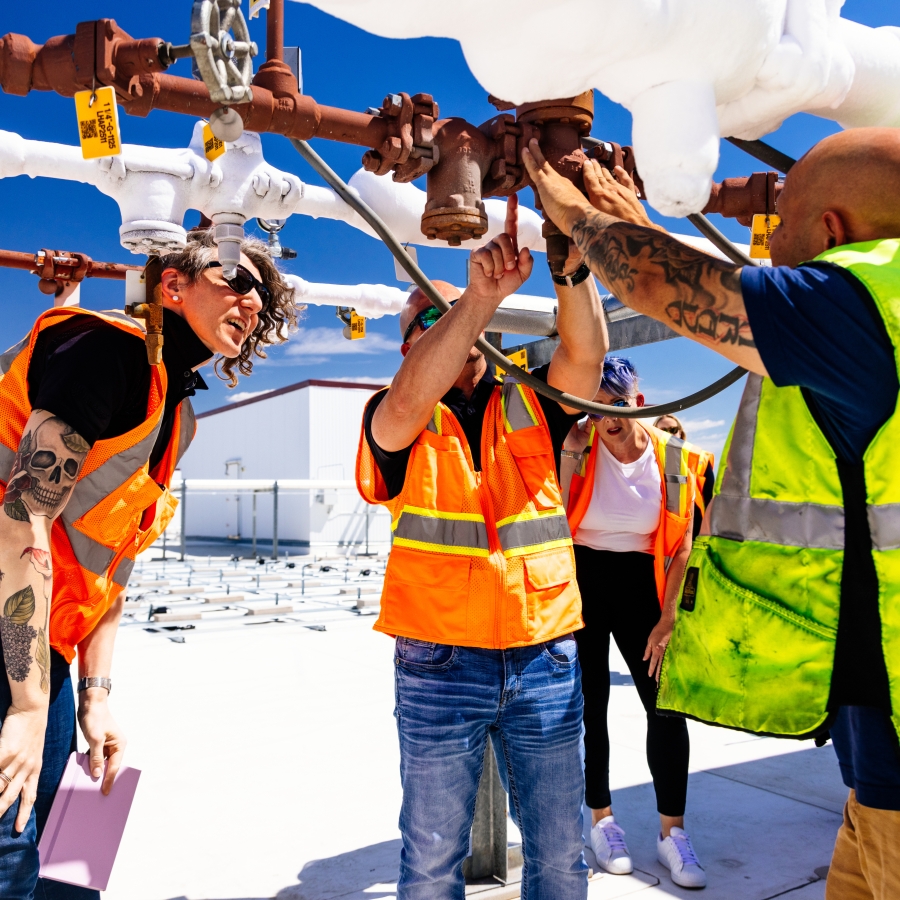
(499, 268)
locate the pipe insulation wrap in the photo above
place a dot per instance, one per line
(526, 378)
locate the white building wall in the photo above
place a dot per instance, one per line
(310, 432)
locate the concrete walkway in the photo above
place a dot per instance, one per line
(270, 770)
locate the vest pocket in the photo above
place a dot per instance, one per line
(163, 511)
(426, 595)
(745, 661)
(533, 453)
(551, 593)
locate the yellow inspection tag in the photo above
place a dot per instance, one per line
(760, 232)
(98, 123)
(357, 326)
(213, 148)
(520, 358)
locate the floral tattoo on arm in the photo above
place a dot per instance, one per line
(702, 294)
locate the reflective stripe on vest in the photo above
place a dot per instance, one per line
(6, 359)
(463, 534)
(517, 411)
(531, 532)
(737, 516)
(89, 491)
(676, 475)
(7, 458)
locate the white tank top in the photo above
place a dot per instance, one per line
(623, 514)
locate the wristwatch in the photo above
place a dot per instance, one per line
(85, 683)
(579, 275)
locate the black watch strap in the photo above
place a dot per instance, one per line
(579, 275)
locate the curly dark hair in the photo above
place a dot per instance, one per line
(276, 319)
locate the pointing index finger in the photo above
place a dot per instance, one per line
(512, 222)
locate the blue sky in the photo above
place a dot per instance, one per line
(346, 67)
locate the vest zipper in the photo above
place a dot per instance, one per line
(499, 606)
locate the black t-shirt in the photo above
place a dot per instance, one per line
(96, 378)
(470, 415)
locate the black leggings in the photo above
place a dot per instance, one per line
(618, 591)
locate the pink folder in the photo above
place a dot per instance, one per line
(84, 829)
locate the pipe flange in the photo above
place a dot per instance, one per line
(152, 237)
(223, 51)
(454, 224)
(575, 111)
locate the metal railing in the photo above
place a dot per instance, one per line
(255, 486)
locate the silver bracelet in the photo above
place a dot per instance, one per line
(86, 683)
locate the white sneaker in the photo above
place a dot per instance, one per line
(608, 841)
(677, 855)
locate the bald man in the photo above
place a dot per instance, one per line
(480, 589)
(805, 515)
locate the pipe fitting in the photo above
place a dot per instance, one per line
(742, 198)
(454, 211)
(228, 232)
(562, 124)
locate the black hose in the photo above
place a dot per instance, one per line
(715, 237)
(764, 153)
(495, 356)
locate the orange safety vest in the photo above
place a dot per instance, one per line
(117, 507)
(678, 464)
(479, 559)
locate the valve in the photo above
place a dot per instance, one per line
(562, 125)
(228, 232)
(276, 249)
(223, 52)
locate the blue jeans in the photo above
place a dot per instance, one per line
(19, 862)
(528, 699)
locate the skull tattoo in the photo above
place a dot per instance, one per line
(46, 469)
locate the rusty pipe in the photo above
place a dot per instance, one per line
(67, 266)
(742, 198)
(275, 31)
(454, 209)
(66, 63)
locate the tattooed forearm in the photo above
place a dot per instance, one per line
(693, 293)
(717, 326)
(41, 561)
(17, 634)
(44, 471)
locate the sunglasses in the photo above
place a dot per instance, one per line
(424, 320)
(673, 429)
(243, 281)
(620, 402)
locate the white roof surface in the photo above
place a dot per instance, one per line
(270, 762)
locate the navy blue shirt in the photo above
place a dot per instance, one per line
(817, 327)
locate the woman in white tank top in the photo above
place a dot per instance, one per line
(614, 545)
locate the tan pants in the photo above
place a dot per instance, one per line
(866, 860)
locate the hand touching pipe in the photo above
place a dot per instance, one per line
(615, 194)
(499, 268)
(561, 201)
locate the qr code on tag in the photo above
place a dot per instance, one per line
(88, 129)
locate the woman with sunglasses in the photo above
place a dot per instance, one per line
(80, 394)
(706, 476)
(629, 494)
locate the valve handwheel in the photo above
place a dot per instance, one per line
(222, 48)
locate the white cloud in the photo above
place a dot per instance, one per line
(321, 343)
(244, 395)
(701, 424)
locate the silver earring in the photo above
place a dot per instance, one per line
(174, 296)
